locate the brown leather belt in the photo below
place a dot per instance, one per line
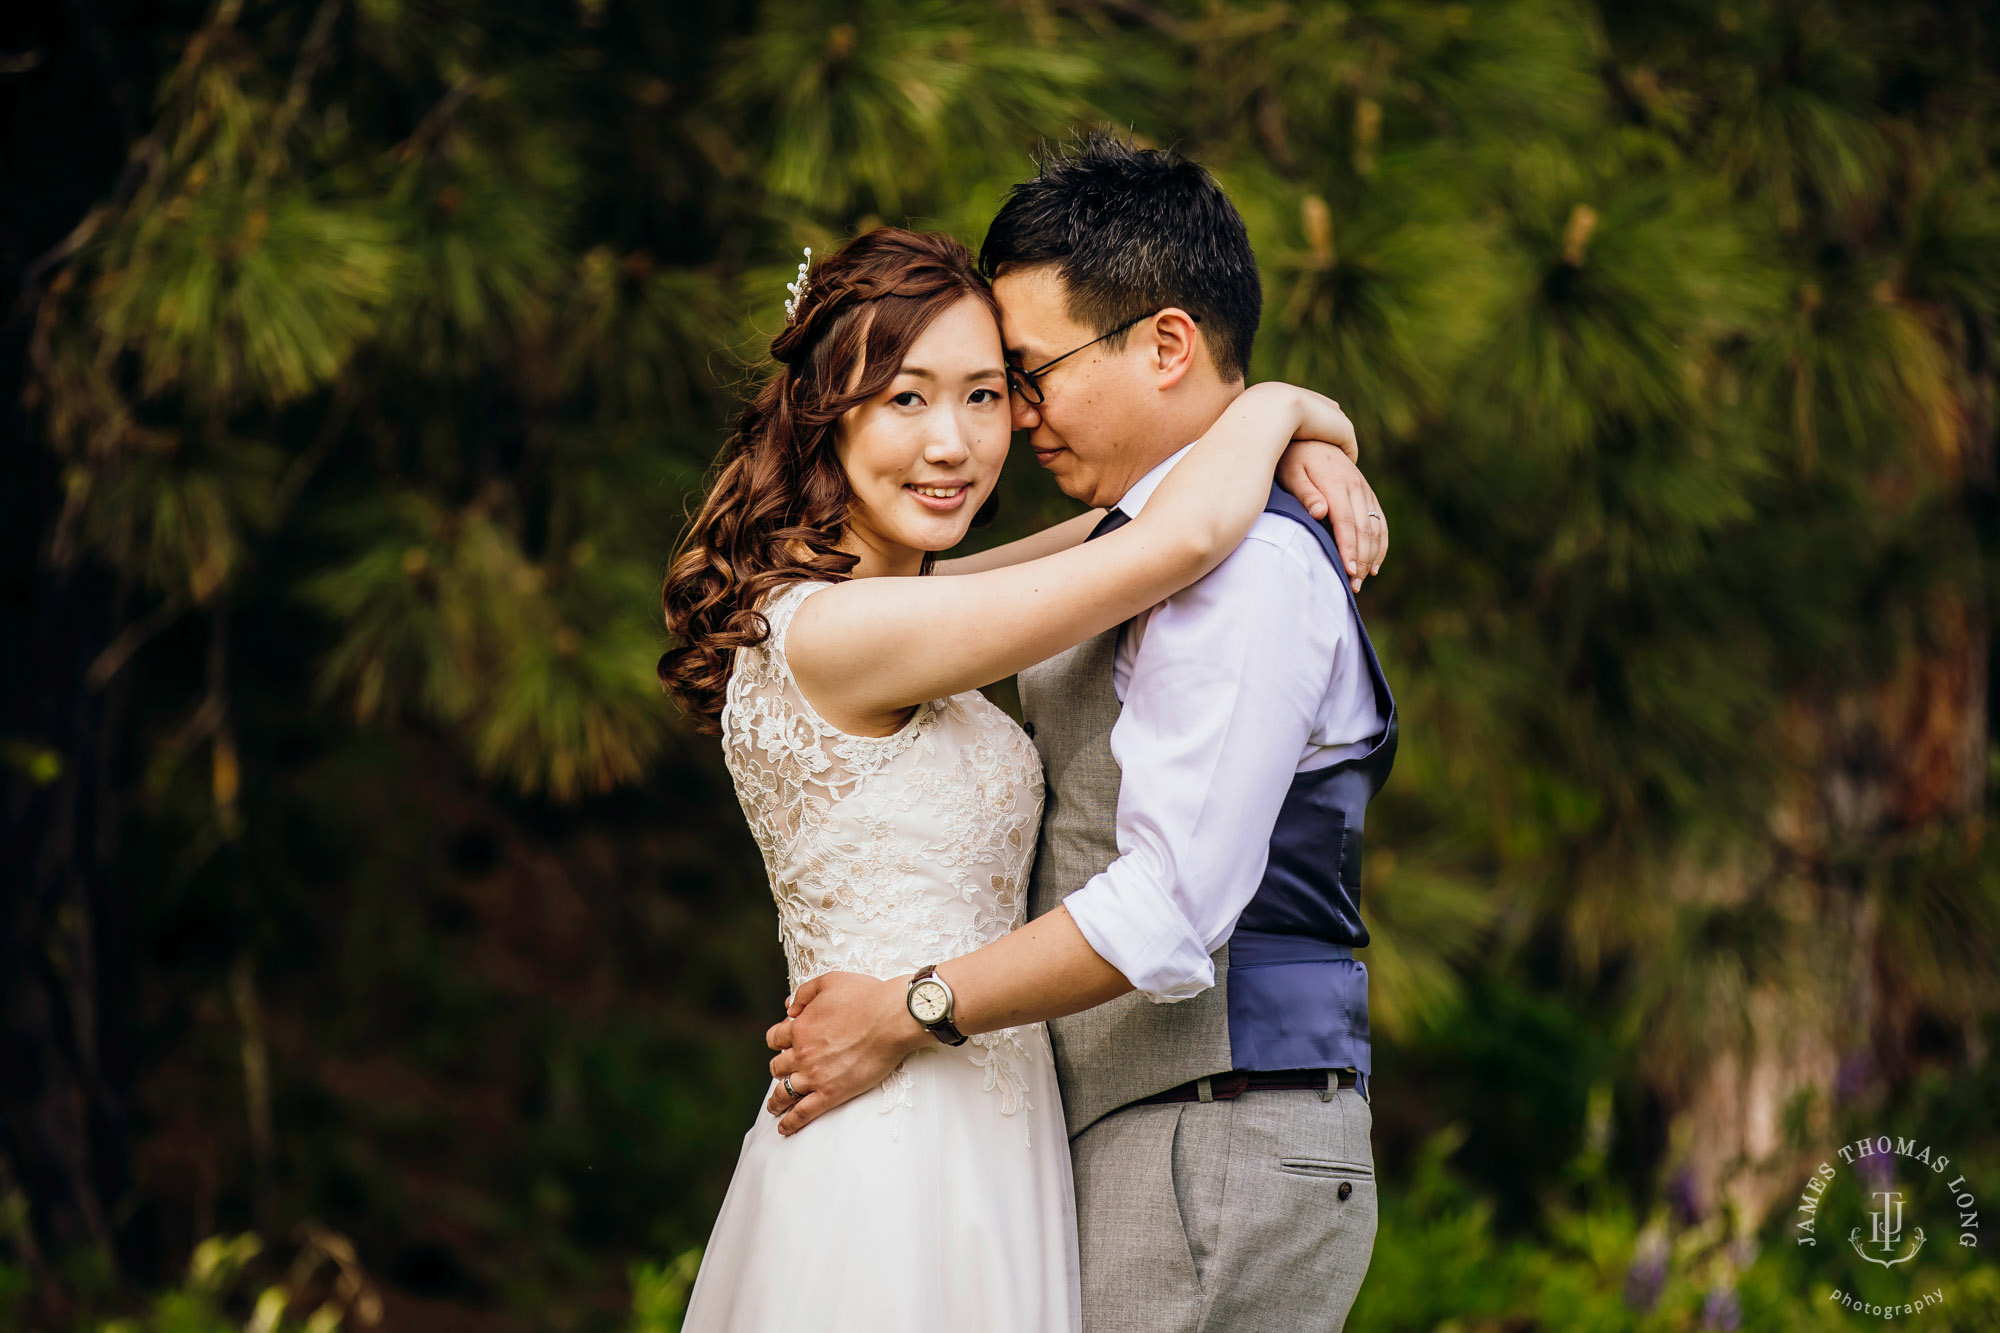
(1228, 1087)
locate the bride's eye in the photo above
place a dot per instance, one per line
(908, 398)
(991, 396)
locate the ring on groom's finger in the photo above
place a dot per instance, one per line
(790, 1091)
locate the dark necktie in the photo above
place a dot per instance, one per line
(1111, 522)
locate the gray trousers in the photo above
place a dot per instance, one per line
(1255, 1215)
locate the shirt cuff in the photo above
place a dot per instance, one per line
(1144, 934)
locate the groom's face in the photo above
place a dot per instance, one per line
(1093, 403)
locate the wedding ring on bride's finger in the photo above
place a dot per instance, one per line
(790, 1091)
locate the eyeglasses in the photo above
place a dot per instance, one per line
(1027, 383)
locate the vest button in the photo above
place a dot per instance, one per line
(1346, 1188)
(1029, 727)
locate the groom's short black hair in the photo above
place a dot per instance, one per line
(1133, 230)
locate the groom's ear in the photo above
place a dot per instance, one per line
(1176, 345)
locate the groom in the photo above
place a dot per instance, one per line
(1195, 894)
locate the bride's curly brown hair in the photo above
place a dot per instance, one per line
(778, 506)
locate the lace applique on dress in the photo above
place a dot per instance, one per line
(893, 1097)
(1003, 1067)
(885, 852)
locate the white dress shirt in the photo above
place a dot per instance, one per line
(1230, 687)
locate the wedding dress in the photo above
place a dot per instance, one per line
(941, 1199)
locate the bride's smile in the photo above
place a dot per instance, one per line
(943, 497)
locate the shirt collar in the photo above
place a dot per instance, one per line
(1142, 489)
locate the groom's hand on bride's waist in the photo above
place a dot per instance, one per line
(843, 1035)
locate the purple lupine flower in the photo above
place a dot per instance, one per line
(1877, 1170)
(1722, 1310)
(1681, 1197)
(1647, 1275)
(1851, 1076)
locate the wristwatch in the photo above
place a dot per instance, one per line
(930, 1003)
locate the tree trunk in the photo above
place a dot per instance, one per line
(1909, 754)
(65, 1140)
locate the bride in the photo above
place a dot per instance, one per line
(896, 808)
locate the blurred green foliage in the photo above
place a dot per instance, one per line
(375, 385)
(1597, 1262)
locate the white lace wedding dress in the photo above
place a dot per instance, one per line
(942, 1199)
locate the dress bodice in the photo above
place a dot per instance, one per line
(884, 853)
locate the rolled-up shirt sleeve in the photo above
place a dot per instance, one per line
(1225, 691)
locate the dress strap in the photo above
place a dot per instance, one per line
(782, 605)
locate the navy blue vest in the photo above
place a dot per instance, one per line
(1298, 997)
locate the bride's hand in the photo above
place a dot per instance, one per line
(1318, 467)
(844, 1035)
(1327, 484)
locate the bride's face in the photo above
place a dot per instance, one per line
(922, 455)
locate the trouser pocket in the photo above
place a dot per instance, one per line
(1317, 1166)
(1139, 1273)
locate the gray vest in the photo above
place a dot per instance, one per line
(1112, 1055)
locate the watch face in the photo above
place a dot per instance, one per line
(928, 1002)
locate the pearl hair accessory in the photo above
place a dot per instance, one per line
(798, 288)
